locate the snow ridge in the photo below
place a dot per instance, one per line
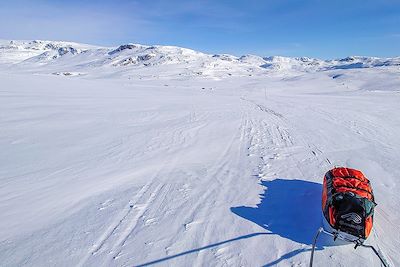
(68, 56)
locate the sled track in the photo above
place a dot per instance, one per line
(113, 239)
(119, 220)
(141, 209)
(228, 178)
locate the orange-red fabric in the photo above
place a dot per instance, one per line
(324, 194)
(347, 172)
(332, 216)
(351, 180)
(368, 226)
(353, 185)
(341, 180)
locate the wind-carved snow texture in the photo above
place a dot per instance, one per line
(156, 155)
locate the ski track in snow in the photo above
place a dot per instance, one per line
(130, 213)
(159, 166)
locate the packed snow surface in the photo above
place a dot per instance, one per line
(154, 155)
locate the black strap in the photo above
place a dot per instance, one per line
(357, 188)
(352, 177)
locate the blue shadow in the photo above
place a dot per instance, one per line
(196, 250)
(288, 208)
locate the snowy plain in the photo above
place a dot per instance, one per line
(152, 155)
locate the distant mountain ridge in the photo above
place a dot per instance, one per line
(176, 61)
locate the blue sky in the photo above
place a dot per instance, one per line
(315, 28)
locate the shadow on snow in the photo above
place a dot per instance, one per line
(288, 208)
(200, 249)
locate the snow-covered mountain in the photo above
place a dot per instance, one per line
(12, 52)
(167, 61)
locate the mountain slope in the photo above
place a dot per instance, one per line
(167, 61)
